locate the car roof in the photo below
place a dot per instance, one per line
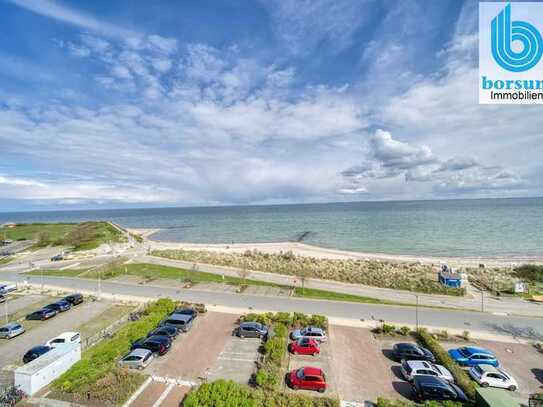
(66, 335)
(419, 364)
(433, 381)
(406, 345)
(488, 368)
(11, 325)
(250, 323)
(139, 352)
(312, 371)
(475, 349)
(313, 329)
(179, 317)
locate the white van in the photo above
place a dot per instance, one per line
(66, 337)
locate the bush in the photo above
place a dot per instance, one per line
(404, 330)
(99, 361)
(382, 402)
(387, 329)
(221, 393)
(460, 376)
(530, 272)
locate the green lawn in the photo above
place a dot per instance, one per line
(102, 321)
(334, 296)
(56, 273)
(82, 236)
(5, 260)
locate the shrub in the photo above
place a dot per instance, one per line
(387, 329)
(460, 376)
(404, 330)
(382, 402)
(99, 361)
(466, 335)
(530, 272)
(221, 393)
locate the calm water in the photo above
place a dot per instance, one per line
(493, 227)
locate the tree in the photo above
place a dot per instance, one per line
(303, 275)
(243, 274)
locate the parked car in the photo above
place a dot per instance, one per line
(60, 306)
(168, 331)
(490, 376)
(66, 337)
(7, 288)
(156, 344)
(310, 332)
(58, 257)
(472, 356)
(137, 359)
(74, 299)
(410, 351)
(11, 330)
(305, 346)
(250, 329)
(186, 311)
(182, 323)
(35, 353)
(412, 368)
(434, 388)
(2, 298)
(307, 378)
(42, 314)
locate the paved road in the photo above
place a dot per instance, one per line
(528, 327)
(515, 306)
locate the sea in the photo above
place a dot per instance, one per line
(457, 228)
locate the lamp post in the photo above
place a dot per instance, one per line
(6, 310)
(417, 311)
(482, 300)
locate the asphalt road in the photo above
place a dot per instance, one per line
(526, 327)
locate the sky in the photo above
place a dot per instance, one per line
(166, 103)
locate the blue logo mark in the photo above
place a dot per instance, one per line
(505, 32)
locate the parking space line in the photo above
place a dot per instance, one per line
(237, 359)
(159, 401)
(137, 393)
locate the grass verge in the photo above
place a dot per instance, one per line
(5, 260)
(96, 377)
(461, 377)
(230, 394)
(317, 294)
(102, 321)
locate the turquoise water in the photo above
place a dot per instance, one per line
(471, 228)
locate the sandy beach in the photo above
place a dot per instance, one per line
(302, 249)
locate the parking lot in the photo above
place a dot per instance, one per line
(237, 361)
(12, 350)
(361, 365)
(522, 361)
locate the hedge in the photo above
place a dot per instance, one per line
(230, 394)
(460, 375)
(382, 402)
(100, 360)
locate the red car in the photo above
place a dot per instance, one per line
(308, 378)
(305, 346)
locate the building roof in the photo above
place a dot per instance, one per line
(46, 359)
(496, 397)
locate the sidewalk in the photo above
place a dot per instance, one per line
(500, 306)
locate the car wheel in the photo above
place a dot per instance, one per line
(512, 388)
(294, 387)
(321, 390)
(484, 384)
(140, 367)
(241, 336)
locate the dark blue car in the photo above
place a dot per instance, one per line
(473, 356)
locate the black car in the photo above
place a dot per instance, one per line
(59, 306)
(186, 311)
(156, 344)
(168, 331)
(410, 351)
(58, 257)
(42, 314)
(35, 353)
(252, 330)
(435, 388)
(74, 299)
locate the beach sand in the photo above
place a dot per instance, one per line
(302, 249)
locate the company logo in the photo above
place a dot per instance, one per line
(517, 46)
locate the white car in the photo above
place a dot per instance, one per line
(490, 376)
(412, 368)
(7, 288)
(66, 337)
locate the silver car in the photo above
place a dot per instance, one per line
(11, 330)
(310, 332)
(137, 359)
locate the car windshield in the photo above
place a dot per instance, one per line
(465, 352)
(300, 373)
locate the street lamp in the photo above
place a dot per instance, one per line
(417, 311)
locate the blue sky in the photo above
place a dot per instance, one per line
(131, 104)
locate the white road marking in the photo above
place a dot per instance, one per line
(138, 392)
(163, 396)
(69, 266)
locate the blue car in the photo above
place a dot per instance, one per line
(473, 356)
